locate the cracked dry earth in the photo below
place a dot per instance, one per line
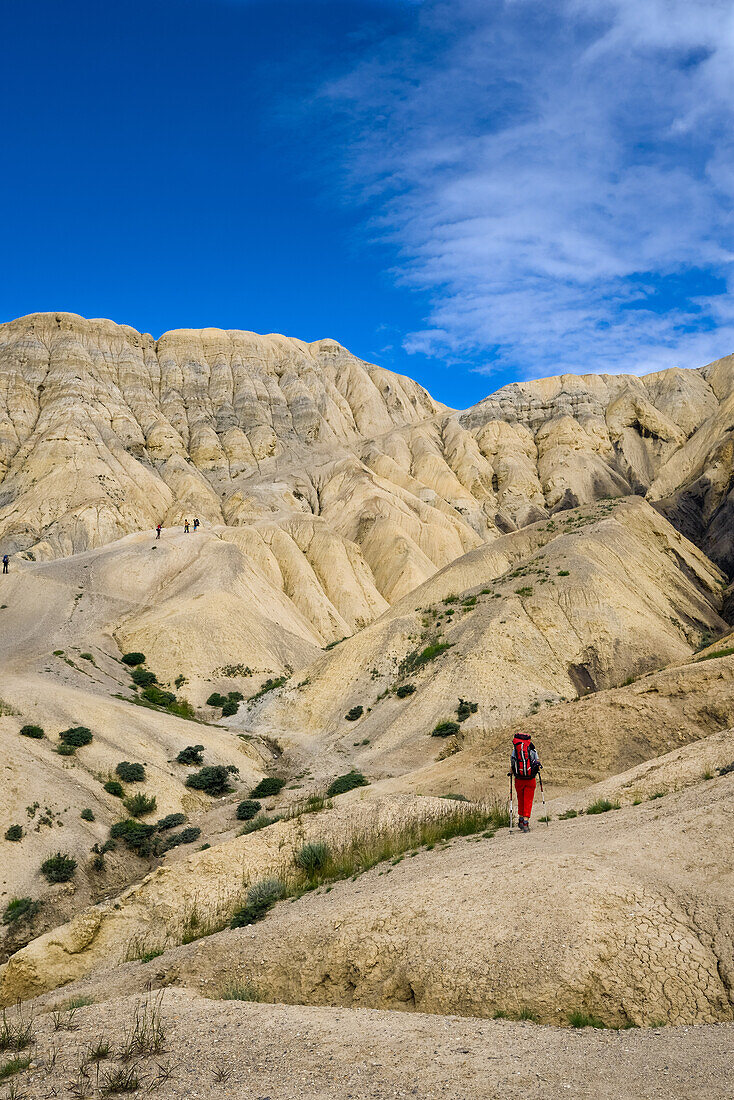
(250, 1051)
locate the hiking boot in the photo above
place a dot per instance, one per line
(523, 825)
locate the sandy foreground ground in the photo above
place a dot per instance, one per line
(252, 1051)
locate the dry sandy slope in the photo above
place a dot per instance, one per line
(556, 608)
(630, 913)
(283, 1052)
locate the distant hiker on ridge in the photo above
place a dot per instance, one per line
(158, 531)
(196, 524)
(525, 765)
(186, 527)
(6, 559)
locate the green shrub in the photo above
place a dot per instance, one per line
(186, 836)
(15, 1065)
(133, 658)
(170, 821)
(445, 729)
(76, 736)
(563, 573)
(404, 689)
(417, 658)
(138, 805)
(59, 868)
(261, 897)
(135, 834)
(20, 909)
(269, 685)
(241, 993)
(455, 797)
(311, 858)
(192, 754)
(142, 677)
(602, 806)
(354, 714)
(35, 732)
(568, 815)
(348, 782)
(65, 750)
(231, 706)
(268, 786)
(15, 832)
(465, 709)
(213, 780)
(216, 700)
(525, 591)
(86, 657)
(182, 708)
(157, 696)
(130, 773)
(248, 809)
(260, 822)
(235, 696)
(583, 1019)
(115, 788)
(87, 815)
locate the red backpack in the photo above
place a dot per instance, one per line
(524, 760)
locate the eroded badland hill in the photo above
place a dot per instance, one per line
(381, 589)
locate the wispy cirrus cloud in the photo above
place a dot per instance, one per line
(557, 175)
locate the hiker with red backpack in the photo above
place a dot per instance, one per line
(524, 766)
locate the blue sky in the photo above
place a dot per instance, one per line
(469, 191)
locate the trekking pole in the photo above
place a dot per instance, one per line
(511, 810)
(542, 794)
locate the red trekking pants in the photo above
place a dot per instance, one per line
(525, 791)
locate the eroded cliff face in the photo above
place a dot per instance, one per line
(105, 431)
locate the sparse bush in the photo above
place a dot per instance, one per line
(182, 708)
(525, 591)
(241, 993)
(216, 700)
(567, 815)
(15, 1065)
(65, 750)
(192, 754)
(213, 780)
(138, 805)
(583, 1019)
(417, 658)
(231, 706)
(114, 788)
(445, 729)
(312, 857)
(602, 806)
(717, 653)
(130, 773)
(348, 782)
(76, 736)
(261, 897)
(248, 809)
(36, 732)
(354, 714)
(133, 658)
(270, 785)
(20, 909)
(563, 573)
(170, 821)
(86, 657)
(15, 832)
(87, 815)
(404, 690)
(456, 797)
(157, 696)
(135, 834)
(465, 709)
(58, 868)
(260, 822)
(269, 685)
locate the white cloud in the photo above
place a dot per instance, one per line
(543, 166)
